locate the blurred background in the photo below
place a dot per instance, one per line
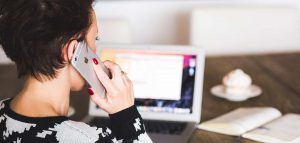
(222, 27)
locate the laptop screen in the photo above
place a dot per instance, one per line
(163, 82)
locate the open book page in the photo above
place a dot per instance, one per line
(240, 120)
(283, 130)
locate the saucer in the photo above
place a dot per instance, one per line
(252, 91)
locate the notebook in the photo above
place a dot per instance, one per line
(263, 124)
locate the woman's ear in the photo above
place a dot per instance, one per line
(70, 49)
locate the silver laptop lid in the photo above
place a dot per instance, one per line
(168, 80)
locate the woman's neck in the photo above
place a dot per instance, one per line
(42, 99)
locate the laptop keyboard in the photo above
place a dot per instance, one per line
(164, 127)
(159, 127)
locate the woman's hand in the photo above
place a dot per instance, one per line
(119, 88)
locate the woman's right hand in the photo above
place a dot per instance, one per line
(119, 88)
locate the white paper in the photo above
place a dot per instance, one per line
(283, 130)
(241, 120)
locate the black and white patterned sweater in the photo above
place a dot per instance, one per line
(126, 126)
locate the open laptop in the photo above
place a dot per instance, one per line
(168, 82)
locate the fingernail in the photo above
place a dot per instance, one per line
(90, 91)
(95, 61)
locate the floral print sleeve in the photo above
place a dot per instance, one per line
(126, 127)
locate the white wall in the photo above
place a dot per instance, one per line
(161, 21)
(164, 22)
(239, 30)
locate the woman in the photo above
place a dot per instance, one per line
(40, 36)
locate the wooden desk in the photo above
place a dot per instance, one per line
(278, 75)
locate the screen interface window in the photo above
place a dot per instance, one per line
(163, 82)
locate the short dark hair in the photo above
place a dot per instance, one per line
(33, 32)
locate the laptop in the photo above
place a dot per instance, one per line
(168, 82)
